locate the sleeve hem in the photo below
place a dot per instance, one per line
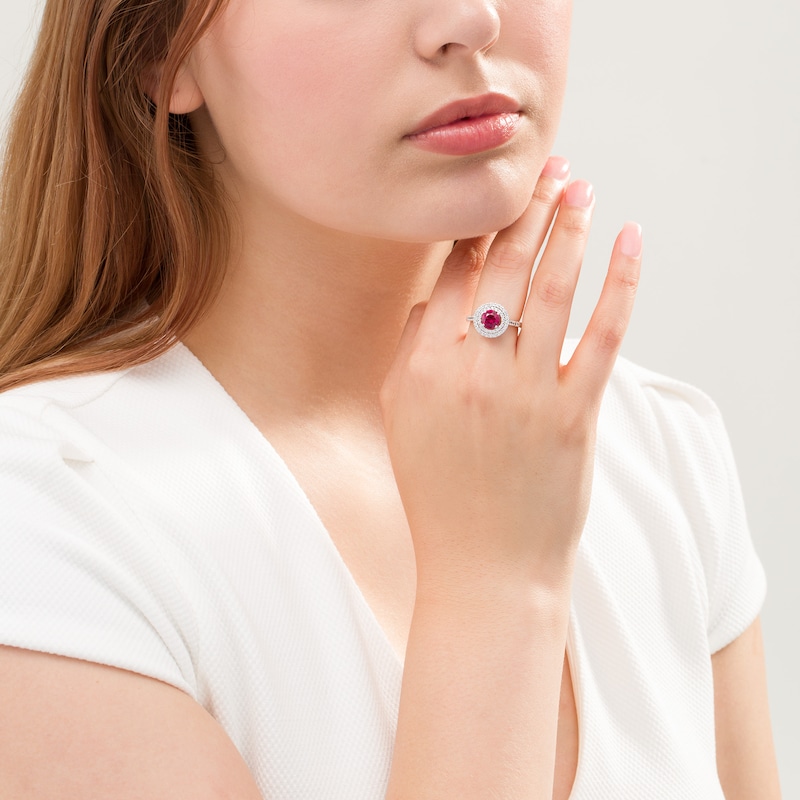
(748, 606)
(97, 654)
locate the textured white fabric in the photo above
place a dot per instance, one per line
(145, 523)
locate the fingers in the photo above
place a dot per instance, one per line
(451, 299)
(553, 286)
(593, 359)
(497, 269)
(507, 272)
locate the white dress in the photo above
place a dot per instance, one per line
(146, 523)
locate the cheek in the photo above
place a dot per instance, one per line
(543, 39)
(293, 113)
(303, 84)
(301, 81)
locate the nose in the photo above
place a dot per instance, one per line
(456, 26)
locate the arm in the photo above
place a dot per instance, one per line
(75, 729)
(491, 443)
(745, 752)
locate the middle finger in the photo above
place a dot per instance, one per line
(553, 287)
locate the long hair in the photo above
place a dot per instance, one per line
(113, 234)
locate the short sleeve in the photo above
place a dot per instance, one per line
(705, 476)
(78, 575)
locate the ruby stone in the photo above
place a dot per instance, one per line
(490, 319)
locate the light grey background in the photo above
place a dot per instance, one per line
(686, 117)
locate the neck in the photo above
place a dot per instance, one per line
(308, 319)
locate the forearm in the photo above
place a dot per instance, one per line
(479, 706)
(492, 446)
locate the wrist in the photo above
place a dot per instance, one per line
(545, 580)
(494, 598)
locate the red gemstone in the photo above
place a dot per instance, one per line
(491, 319)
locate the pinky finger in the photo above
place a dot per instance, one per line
(591, 363)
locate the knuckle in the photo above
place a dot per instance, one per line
(626, 280)
(547, 192)
(420, 367)
(477, 392)
(574, 222)
(472, 389)
(525, 420)
(467, 260)
(473, 257)
(510, 257)
(609, 333)
(575, 427)
(553, 291)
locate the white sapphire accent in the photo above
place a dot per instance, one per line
(491, 332)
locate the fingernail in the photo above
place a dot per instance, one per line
(580, 194)
(630, 240)
(556, 167)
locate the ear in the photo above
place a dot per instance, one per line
(186, 94)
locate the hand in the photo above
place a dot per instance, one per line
(491, 440)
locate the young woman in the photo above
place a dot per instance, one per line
(303, 495)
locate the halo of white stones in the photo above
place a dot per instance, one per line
(490, 320)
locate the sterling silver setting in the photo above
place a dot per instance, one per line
(492, 320)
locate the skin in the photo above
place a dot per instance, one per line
(303, 106)
(745, 751)
(267, 90)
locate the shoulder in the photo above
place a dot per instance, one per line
(633, 388)
(117, 421)
(675, 407)
(673, 427)
(649, 417)
(674, 431)
(42, 445)
(36, 424)
(82, 576)
(664, 443)
(56, 408)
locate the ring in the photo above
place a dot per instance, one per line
(492, 320)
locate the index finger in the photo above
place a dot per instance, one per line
(594, 357)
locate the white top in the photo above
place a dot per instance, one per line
(146, 523)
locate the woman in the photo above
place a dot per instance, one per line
(299, 500)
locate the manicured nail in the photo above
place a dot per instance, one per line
(580, 194)
(556, 167)
(630, 240)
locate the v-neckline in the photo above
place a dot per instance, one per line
(378, 633)
(307, 506)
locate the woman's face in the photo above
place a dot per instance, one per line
(315, 103)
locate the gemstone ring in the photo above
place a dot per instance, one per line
(492, 320)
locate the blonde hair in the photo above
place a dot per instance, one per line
(113, 234)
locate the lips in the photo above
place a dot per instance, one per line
(487, 105)
(469, 127)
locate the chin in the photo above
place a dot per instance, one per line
(473, 213)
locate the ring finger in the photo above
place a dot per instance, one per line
(506, 274)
